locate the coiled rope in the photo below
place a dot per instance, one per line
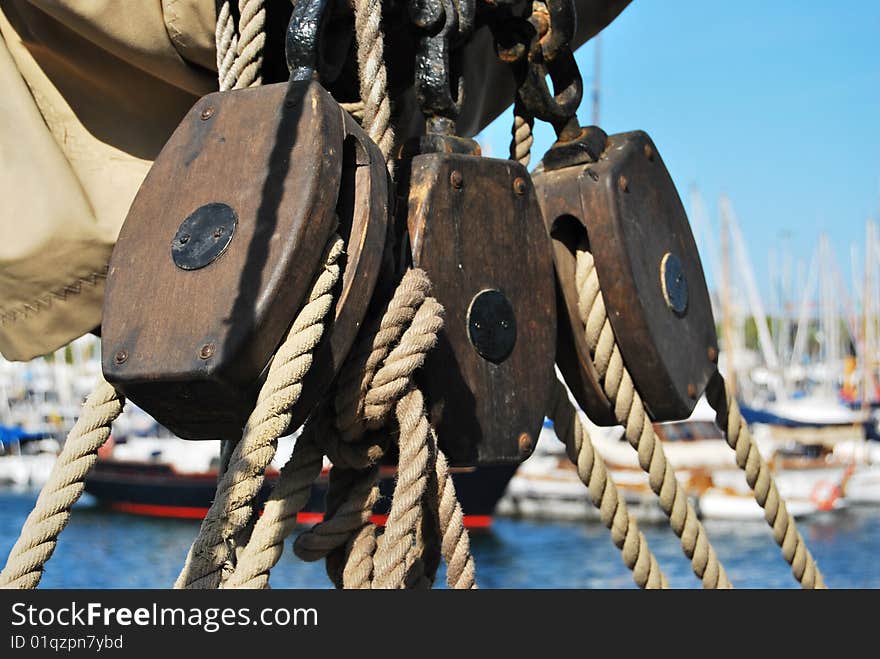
(630, 412)
(389, 356)
(378, 381)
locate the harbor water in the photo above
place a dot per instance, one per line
(103, 549)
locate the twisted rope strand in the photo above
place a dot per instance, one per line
(226, 43)
(455, 545)
(373, 349)
(625, 533)
(522, 138)
(394, 557)
(377, 379)
(39, 535)
(279, 518)
(232, 507)
(356, 492)
(630, 412)
(758, 476)
(373, 76)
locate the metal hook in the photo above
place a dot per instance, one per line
(303, 32)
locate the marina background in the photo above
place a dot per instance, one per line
(767, 108)
(102, 549)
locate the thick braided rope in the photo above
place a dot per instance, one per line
(522, 139)
(377, 378)
(386, 373)
(354, 559)
(630, 412)
(372, 75)
(226, 42)
(350, 505)
(357, 564)
(341, 566)
(232, 507)
(351, 495)
(279, 518)
(247, 69)
(50, 515)
(395, 554)
(355, 109)
(612, 508)
(240, 56)
(393, 379)
(373, 349)
(455, 543)
(758, 476)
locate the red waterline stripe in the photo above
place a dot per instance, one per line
(181, 512)
(195, 512)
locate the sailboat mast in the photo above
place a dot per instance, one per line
(869, 335)
(597, 66)
(726, 307)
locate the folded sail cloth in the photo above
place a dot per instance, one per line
(91, 90)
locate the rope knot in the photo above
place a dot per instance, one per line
(379, 370)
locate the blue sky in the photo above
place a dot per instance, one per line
(774, 103)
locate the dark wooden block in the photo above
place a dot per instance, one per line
(190, 345)
(475, 226)
(626, 207)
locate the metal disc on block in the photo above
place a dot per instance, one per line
(475, 228)
(626, 209)
(221, 246)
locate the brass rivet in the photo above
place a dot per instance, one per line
(526, 444)
(207, 351)
(622, 183)
(713, 354)
(456, 179)
(692, 390)
(120, 357)
(649, 152)
(519, 185)
(207, 113)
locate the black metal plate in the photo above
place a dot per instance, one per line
(492, 325)
(203, 236)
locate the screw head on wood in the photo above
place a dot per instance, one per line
(207, 113)
(526, 444)
(456, 180)
(207, 351)
(120, 357)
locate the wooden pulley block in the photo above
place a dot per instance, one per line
(222, 244)
(475, 227)
(623, 207)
